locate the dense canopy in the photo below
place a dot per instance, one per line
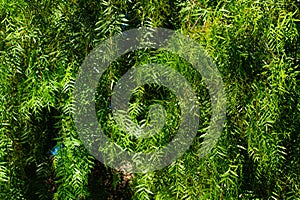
(255, 45)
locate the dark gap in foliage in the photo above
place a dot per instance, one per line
(108, 184)
(39, 173)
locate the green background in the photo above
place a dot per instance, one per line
(256, 47)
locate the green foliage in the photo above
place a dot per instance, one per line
(255, 45)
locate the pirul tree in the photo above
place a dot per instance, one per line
(255, 46)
